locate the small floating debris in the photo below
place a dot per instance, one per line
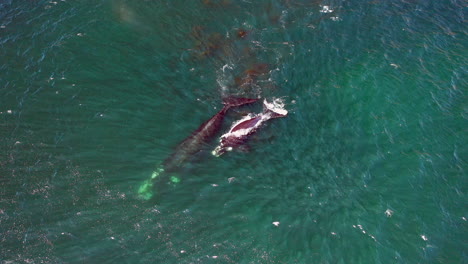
(241, 33)
(230, 180)
(365, 232)
(326, 9)
(388, 213)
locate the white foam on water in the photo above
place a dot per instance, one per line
(326, 9)
(277, 106)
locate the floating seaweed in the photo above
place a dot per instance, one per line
(250, 76)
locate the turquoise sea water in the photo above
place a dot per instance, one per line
(368, 167)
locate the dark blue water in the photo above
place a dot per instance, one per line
(369, 166)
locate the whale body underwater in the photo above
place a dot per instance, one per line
(190, 146)
(238, 134)
(202, 135)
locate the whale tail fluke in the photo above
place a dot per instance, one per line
(145, 191)
(237, 101)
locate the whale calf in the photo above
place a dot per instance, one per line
(189, 146)
(242, 129)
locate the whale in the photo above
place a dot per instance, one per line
(190, 146)
(243, 129)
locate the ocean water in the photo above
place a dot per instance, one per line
(369, 166)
